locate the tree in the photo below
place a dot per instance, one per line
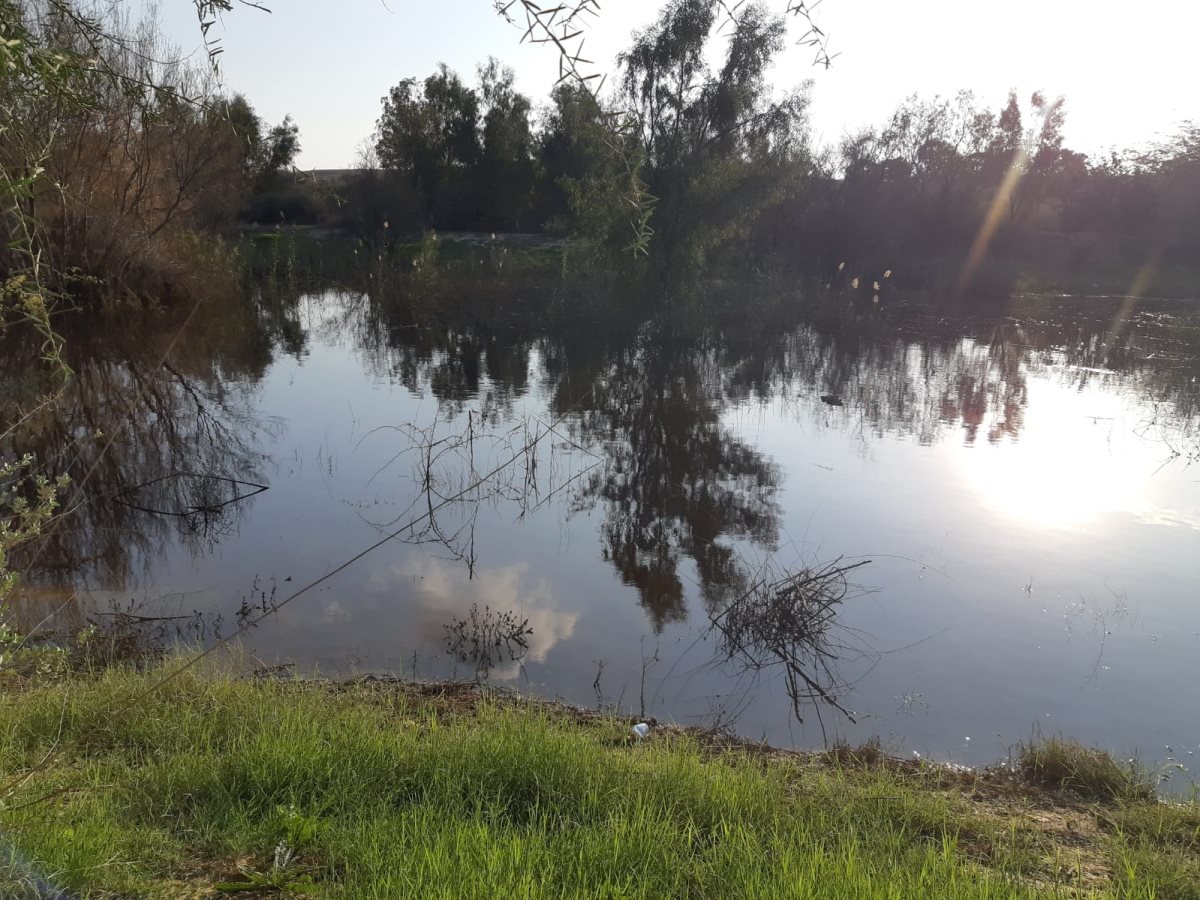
(105, 150)
(583, 176)
(246, 127)
(717, 148)
(1038, 155)
(506, 156)
(429, 133)
(263, 155)
(279, 149)
(1009, 133)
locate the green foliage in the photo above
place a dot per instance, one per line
(339, 794)
(296, 832)
(33, 75)
(264, 155)
(280, 147)
(24, 301)
(429, 133)
(379, 793)
(1155, 845)
(506, 162)
(995, 194)
(717, 147)
(675, 165)
(247, 127)
(426, 257)
(466, 153)
(1062, 764)
(27, 501)
(1159, 824)
(591, 182)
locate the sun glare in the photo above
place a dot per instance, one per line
(1068, 468)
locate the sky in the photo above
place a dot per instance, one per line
(1127, 71)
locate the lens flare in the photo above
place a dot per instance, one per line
(991, 220)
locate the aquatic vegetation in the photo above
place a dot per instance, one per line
(487, 637)
(788, 620)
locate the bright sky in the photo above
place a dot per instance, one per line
(1128, 71)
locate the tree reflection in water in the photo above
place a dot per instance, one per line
(683, 497)
(152, 397)
(676, 484)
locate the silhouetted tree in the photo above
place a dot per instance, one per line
(584, 176)
(280, 147)
(506, 157)
(429, 132)
(716, 145)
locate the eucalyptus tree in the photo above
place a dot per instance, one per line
(589, 178)
(264, 153)
(717, 144)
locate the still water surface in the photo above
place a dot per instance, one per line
(1018, 476)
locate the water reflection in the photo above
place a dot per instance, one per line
(684, 431)
(677, 484)
(156, 429)
(444, 594)
(651, 397)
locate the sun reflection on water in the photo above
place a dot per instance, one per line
(1076, 460)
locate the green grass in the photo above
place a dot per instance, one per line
(387, 791)
(1062, 764)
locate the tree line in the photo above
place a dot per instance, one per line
(691, 141)
(117, 154)
(697, 151)
(951, 188)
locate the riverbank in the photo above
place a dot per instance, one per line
(316, 253)
(375, 788)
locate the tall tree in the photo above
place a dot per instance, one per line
(280, 147)
(429, 133)
(715, 144)
(581, 170)
(506, 169)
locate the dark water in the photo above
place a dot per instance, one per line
(1024, 479)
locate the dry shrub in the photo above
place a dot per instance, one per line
(127, 155)
(788, 622)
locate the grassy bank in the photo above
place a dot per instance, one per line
(376, 789)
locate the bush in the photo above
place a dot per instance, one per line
(290, 206)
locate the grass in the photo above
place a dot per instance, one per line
(388, 790)
(1061, 764)
(318, 257)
